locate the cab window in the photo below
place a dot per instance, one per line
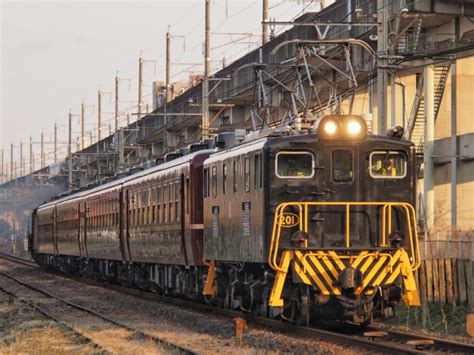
(297, 165)
(388, 164)
(342, 170)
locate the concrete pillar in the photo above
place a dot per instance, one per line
(429, 146)
(454, 149)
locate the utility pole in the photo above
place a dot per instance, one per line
(207, 71)
(168, 66)
(11, 161)
(99, 114)
(428, 188)
(265, 37)
(32, 167)
(140, 84)
(382, 76)
(69, 153)
(83, 144)
(21, 158)
(42, 151)
(1, 167)
(117, 82)
(55, 143)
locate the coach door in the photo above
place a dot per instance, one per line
(83, 208)
(55, 230)
(338, 181)
(123, 224)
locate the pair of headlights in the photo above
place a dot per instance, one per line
(349, 127)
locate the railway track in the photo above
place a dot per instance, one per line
(169, 346)
(386, 341)
(374, 339)
(18, 260)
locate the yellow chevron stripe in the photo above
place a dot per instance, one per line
(359, 259)
(302, 275)
(365, 266)
(396, 271)
(373, 271)
(311, 272)
(384, 274)
(337, 260)
(325, 275)
(332, 269)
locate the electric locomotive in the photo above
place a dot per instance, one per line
(298, 225)
(313, 226)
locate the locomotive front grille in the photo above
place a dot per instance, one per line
(345, 270)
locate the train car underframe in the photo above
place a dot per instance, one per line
(248, 287)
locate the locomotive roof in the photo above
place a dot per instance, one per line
(175, 162)
(275, 141)
(237, 150)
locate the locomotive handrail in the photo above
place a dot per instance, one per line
(415, 256)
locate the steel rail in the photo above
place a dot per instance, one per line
(167, 344)
(18, 260)
(285, 327)
(93, 342)
(438, 343)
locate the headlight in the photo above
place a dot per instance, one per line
(354, 127)
(343, 127)
(330, 127)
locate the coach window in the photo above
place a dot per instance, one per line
(236, 173)
(214, 181)
(187, 196)
(342, 166)
(206, 183)
(158, 207)
(165, 209)
(257, 172)
(176, 200)
(171, 198)
(388, 165)
(224, 177)
(247, 174)
(295, 165)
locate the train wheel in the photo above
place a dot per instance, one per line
(303, 302)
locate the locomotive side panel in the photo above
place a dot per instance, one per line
(234, 205)
(193, 211)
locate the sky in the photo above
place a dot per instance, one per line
(54, 55)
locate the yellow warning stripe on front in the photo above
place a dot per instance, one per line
(322, 270)
(329, 265)
(301, 274)
(307, 268)
(388, 270)
(325, 276)
(337, 261)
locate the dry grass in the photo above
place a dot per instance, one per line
(46, 341)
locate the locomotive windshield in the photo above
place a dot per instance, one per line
(294, 165)
(388, 164)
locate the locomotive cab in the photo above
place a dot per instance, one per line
(342, 223)
(313, 226)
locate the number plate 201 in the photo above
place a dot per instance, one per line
(289, 220)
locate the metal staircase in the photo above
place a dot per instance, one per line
(416, 124)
